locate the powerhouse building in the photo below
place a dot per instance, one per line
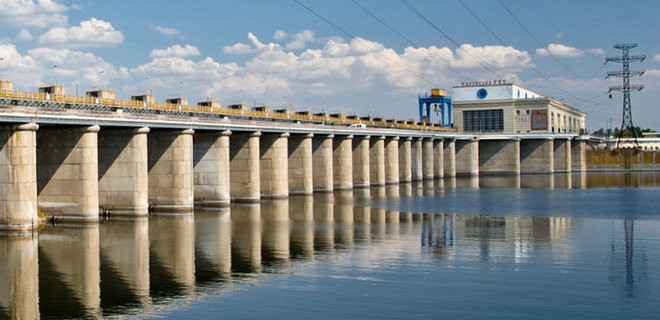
(502, 107)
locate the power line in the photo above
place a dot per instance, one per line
(518, 56)
(370, 13)
(423, 17)
(362, 41)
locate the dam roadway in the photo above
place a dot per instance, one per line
(76, 161)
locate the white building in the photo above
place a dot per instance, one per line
(498, 106)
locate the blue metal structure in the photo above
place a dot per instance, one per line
(440, 103)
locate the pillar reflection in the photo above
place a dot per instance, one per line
(172, 254)
(19, 277)
(212, 245)
(246, 238)
(324, 220)
(69, 274)
(537, 181)
(275, 233)
(301, 215)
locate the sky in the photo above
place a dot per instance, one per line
(352, 56)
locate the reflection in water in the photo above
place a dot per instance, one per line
(140, 267)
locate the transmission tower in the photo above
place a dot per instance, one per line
(625, 59)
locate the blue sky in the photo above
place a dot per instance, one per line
(280, 54)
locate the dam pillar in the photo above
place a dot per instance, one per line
(342, 162)
(438, 158)
(537, 155)
(579, 154)
(301, 174)
(274, 165)
(123, 172)
(467, 157)
(171, 171)
(405, 158)
(377, 161)
(562, 155)
(417, 159)
(244, 175)
(211, 168)
(322, 163)
(501, 156)
(449, 157)
(18, 177)
(392, 160)
(67, 173)
(428, 157)
(361, 162)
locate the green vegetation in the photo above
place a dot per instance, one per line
(626, 133)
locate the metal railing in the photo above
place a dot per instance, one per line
(40, 96)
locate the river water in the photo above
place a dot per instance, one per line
(569, 246)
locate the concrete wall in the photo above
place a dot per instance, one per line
(537, 156)
(342, 162)
(301, 175)
(322, 163)
(392, 160)
(211, 168)
(467, 157)
(499, 156)
(562, 155)
(578, 154)
(67, 173)
(274, 165)
(449, 158)
(377, 161)
(623, 159)
(123, 172)
(171, 171)
(18, 177)
(361, 162)
(244, 170)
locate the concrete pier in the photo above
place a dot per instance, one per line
(123, 172)
(449, 158)
(428, 162)
(438, 159)
(171, 171)
(405, 159)
(211, 168)
(562, 155)
(377, 161)
(18, 178)
(499, 156)
(342, 162)
(322, 162)
(274, 165)
(467, 157)
(67, 173)
(244, 167)
(579, 154)
(361, 162)
(537, 155)
(301, 173)
(417, 160)
(392, 160)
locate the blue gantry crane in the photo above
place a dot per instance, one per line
(440, 102)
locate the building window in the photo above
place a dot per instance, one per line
(489, 120)
(527, 111)
(518, 112)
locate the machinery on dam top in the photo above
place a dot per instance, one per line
(439, 103)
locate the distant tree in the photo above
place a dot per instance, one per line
(637, 131)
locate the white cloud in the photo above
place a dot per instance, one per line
(279, 35)
(175, 51)
(38, 65)
(168, 32)
(559, 50)
(298, 41)
(256, 46)
(30, 13)
(596, 51)
(560, 34)
(24, 35)
(90, 33)
(656, 57)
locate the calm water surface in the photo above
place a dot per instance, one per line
(535, 246)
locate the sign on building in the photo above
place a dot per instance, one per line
(539, 119)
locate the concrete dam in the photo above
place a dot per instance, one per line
(73, 159)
